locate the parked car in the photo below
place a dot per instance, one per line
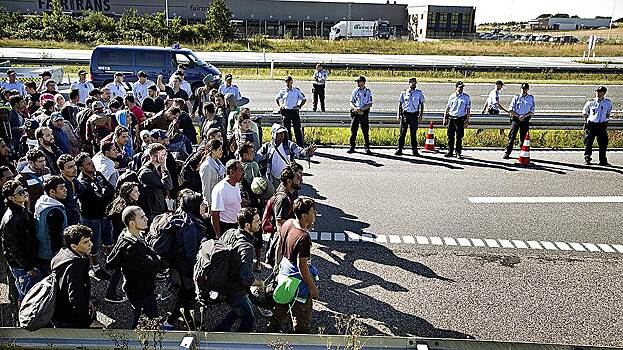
(106, 60)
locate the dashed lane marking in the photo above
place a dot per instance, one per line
(469, 242)
(533, 200)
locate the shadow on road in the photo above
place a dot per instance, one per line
(417, 160)
(613, 169)
(348, 159)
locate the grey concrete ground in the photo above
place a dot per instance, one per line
(456, 288)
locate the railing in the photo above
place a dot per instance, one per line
(477, 121)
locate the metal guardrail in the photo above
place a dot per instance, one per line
(48, 338)
(477, 121)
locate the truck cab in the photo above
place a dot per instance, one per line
(129, 60)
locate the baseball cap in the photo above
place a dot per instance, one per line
(56, 116)
(288, 78)
(158, 134)
(412, 80)
(228, 76)
(601, 89)
(97, 105)
(82, 71)
(31, 123)
(499, 82)
(47, 73)
(361, 78)
(141, 73)
(459, 84)
(46, 96)
(118, 74)
(10, 71)
(525, 86)
(208, 79)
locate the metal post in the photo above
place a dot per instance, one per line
(166, 11)
(614, 6)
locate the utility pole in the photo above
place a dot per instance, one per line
(166, 11)
(614, 6)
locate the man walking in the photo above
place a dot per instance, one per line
(456, 117)
(410, 112)
(596, 112)
(320, 79)
(50, 219)
(290, 100)
(521, 110)
(226, 200)
(155, 181)
(360, 103)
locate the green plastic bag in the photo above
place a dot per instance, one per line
(286, 289)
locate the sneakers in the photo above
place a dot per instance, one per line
(368, 152)
(506, 156)
(99, 274)
(265, 312)
(115, 299)
(351, 150)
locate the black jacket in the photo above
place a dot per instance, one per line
(95, 196)
(74, 289)
(154, 187)
(244, 253)
(139, 264)
(19, 240)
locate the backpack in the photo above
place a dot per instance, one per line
(268, 226)
(39, 303)
(161, 236)
(211, 273)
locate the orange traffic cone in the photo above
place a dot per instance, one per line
(524, 154)
(429, 144)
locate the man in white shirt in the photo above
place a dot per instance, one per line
(117, 88)
(82, 85)
(13, 84)
(320, 78)
(228, 87)
(104, 163)
(226, 199)
(139, 87)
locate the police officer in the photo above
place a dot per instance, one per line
(82, 85)
(141, 86)
(117, 88)
(521, 110)
(596, 113)
(228, 87)
(290, 100)
(320, 78)
(360, 103)
(410, 112)
(456, 117)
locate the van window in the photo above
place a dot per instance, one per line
(182, 59)
(150, 59)
(114, 58)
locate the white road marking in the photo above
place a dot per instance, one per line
(548, 245)
(492, 243)
(534, 245)
(577, 246)
(591, 247)
(394, 239)
(325, 236)
(436, 241)
(517, 200)
(408, 239)
(506, 243)
(366, 237)
(464, 242)
(562, 246)
(546, 96)
(340, 237)
(450, 241)
(381, 239)
(421, 240)
(353, 237)
(520, 244)
(606, 248)
(478, 242)
(618, 247)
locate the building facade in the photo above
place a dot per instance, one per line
(275, 18)
(441, 22)
(555, 23)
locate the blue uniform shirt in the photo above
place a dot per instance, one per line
(17, 85)
(320, 77)
(522, 104)
(410, 100)
(597, 111)
(361, 97)
(459, 104)
(290, 98)
(224, 89)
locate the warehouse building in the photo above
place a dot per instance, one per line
(275, 18)
(441, 22)
(571, 23)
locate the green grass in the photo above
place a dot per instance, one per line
(487, 138)
(446, 47)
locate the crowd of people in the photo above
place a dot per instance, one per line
(117, 184)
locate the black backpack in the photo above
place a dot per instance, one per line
(213, 271)
(162, 235)
(39, 303)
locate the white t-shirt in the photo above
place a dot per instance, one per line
(278, 164)
(226, 200)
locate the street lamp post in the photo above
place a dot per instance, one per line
(614, 6)
(166, 11)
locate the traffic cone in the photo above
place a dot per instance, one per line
(429, 144)
(524, 153)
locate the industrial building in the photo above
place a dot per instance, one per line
(441, 22)
(572, 23)
(275, 18)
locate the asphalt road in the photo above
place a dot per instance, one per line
(568, 98)
(448, 285)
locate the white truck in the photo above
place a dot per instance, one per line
(360, 29)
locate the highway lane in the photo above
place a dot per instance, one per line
(569, 98)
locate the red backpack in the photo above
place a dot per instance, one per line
(268, 226)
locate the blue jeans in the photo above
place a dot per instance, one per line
(102, 232)
(240, 309)
(146, 305)
(23, 281)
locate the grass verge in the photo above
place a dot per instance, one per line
(487, 138)
(393, 47)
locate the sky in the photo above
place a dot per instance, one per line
(523, 10)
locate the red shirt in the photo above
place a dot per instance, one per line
(138, 112)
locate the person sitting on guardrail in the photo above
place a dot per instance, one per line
(360, 104)
(596, 112)
(45, 76)
(12, 83)
(521, 110)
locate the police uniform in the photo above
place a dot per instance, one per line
(596, 113)
(289, 99)
(458, 108)
(520, 104)
(360, 98)
(116, 89)
(83, 89)
(140, 90)
(493, 102)
(410, 101)
(320, 78)
(233, 89)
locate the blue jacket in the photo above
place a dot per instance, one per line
(187, 243)
(51, 220)
(61, 140)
